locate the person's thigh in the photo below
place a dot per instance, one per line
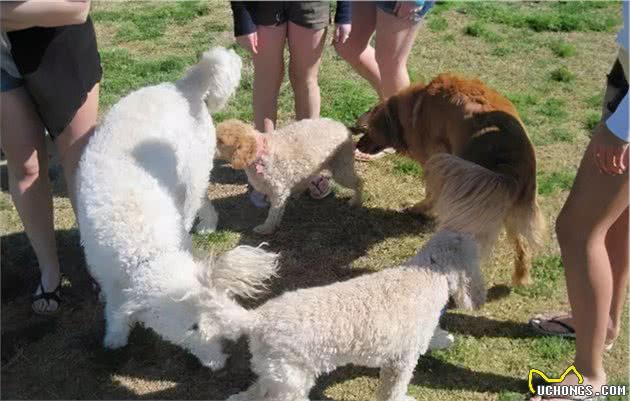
(596, 199)
(363, 24)
(271, 41)
(306, 46)
(22, 134)
(72, 140)
(394, 37)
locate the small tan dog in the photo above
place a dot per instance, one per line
(282, 162)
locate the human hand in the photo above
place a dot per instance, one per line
(342, 32)
(406, 9)
(610, 152)
(249, 42)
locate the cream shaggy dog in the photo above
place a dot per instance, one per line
(141, 182)
(384, 319)
(283, 162)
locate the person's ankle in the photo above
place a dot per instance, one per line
(50, 278)
(596, 377)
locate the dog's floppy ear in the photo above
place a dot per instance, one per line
(472, 288)
(385, 127)
(241, 138)
(465, 279)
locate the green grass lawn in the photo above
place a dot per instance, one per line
(549, 58)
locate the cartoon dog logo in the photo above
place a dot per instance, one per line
(550, 380)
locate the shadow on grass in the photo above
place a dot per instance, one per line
(479, 326)
(431, 373)
(318, 240)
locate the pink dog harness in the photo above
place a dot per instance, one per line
(261, 150)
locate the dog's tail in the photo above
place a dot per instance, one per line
(242, 271)
(472, 199)
(214, 78)
(468, 197)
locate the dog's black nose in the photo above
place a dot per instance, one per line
(194, 327)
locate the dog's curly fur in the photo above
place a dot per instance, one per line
(140, 183)
(294, 154)
(383, 319)
(479, 164)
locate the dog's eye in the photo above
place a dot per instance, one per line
(194, 327)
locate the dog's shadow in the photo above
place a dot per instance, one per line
(319, 240)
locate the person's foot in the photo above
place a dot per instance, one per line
(572, 380)
(561, 325)
(319, 187)
(47, 296)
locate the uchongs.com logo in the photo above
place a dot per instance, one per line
(552, 388)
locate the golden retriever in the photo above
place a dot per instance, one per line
(479, 164)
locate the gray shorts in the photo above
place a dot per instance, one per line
(307, 14)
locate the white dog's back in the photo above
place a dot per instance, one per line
(141, 181)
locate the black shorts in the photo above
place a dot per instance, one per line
(59, 66)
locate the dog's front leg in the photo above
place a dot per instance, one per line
(276, 210)
(117, 322)
(394, 380)
(208, 218)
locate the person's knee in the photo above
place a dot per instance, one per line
(576, 232)
(26, 172)
(349, 52)
(387, 61)
(301, 81)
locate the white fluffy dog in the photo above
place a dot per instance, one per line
(141, 182)
(384, 319)
(283, 162)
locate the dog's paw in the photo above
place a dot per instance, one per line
(206, 227)
(208, 220)
(115, 340)
(242, 396)
(215, 363)
(355, 202)
(263, 229)
(519, 280)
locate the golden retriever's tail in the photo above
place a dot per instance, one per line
(468, 198)
(472, 199)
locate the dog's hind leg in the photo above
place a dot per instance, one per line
(522, 257)
(342, 168)
(278, 203)
(395, 378)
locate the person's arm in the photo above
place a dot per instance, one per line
(617, 123)
(610, 142)
(343, 21)
(244, 27)
(27, 14)
(243, 22)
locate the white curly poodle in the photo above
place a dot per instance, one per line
(282, 162)
(384, 319)
(141, 182)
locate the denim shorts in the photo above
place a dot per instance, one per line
(390, 6)
(8, 81)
